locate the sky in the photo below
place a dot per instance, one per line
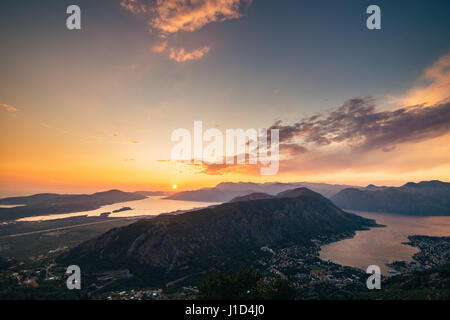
(94, 109)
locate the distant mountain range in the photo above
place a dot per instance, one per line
(426, 198)
(226, 191)
(298, 192)
(154, 193)
(167, 248)
(52, 203)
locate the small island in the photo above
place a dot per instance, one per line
(122, 209)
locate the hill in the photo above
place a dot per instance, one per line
(226, 191)
(167, 248)
(284, 194)
(252, 196)
(154, 193)
(426, 198)
(52, 203)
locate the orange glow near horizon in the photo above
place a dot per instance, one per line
(85, 112)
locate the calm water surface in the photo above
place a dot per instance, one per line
(381, 246)
(146, 207)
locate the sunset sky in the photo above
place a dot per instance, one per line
(94, 109)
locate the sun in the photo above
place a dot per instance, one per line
(174, 186)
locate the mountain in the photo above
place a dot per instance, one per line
(208, 195)
(284, 194)
(153, 193)
(226, 191)
(166, 248)
(426, 198)
(52, 203)
(252, 196)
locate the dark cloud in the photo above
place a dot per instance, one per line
(360, 125)
(292, 148)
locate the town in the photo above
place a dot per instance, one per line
(313, 277)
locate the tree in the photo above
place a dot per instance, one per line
(245, 284)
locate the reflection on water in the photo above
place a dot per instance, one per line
(381, 246)
(149, 207)
(9, 206)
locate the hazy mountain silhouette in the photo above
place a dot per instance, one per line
(426, 198)
(226, 191)
(52, 203)
(294, 193)
(154, 193)
(252, 196)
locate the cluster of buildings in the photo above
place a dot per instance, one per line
(30, 276)
(303, 265)
(434, 252)
(135, 294)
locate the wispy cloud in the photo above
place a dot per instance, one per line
(126, 141)
(359, 125)
(46, 125)
(172, 16)
(214, 169)
(8, 107)
(160, 47)
(359, 135)
(134, 6)
(356, 136)
(434, 87)
(180, 55)
(168, 17)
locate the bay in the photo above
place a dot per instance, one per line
(381, 246)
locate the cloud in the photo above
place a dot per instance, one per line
(134, 6)
(127, 141)
(359, 125)
(217, 168)
(359, 138)
(172, 16)
(356, 136)
(180, 55)
(160, 47)
(168, 17)
(221, 169)
(46, 125)
(435, 87)
(8, 107)
(292, 149)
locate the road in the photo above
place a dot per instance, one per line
(64, 228)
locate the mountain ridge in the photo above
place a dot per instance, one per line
(425, 198)
(169, 247)
(226, 191)
(53, 203)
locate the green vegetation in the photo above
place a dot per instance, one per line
(245, 284)
(420, 285)
(40, 237)
(230, 235)
(10, 290)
